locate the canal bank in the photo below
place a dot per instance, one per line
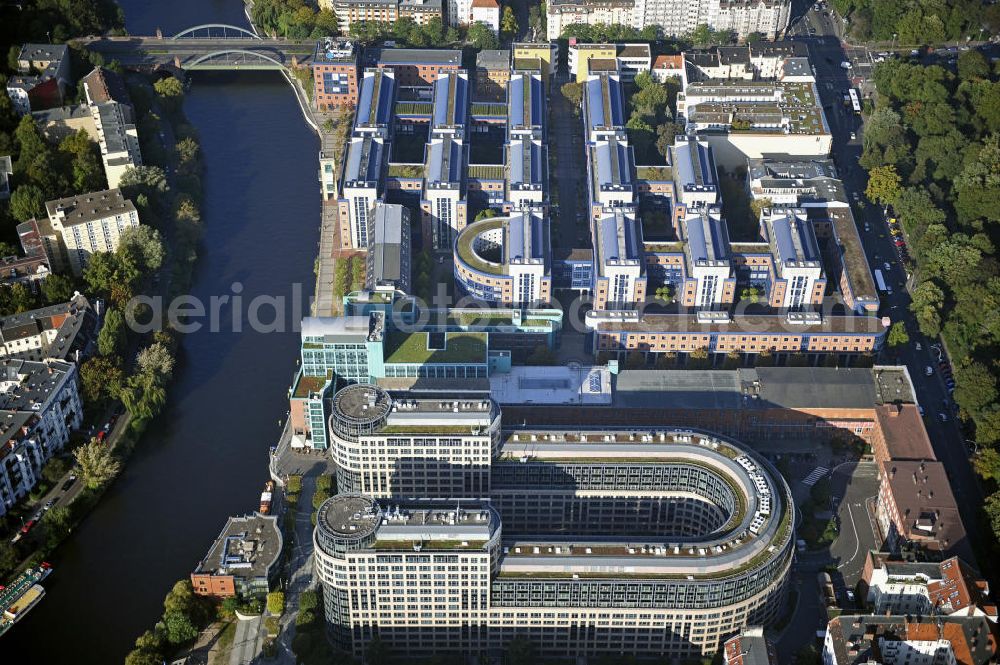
(206, 456)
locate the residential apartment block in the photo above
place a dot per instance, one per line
(39, 407)
(673, 18)
(944, 588)
(43, 77)
(117, 135)
(627, 59)
(910, 640)
(65, 331)
(79, 226)
(748, 101)
(384, 11)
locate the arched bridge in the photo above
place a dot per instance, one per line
(212, 46)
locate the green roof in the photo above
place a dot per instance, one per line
(481, 108)
(468, 255)
(654, 173)
(406, 170)
(460, 347)
(486, 171)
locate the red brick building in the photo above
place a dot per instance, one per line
(335, 74)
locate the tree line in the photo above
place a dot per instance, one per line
(914, 22)
(932, 151)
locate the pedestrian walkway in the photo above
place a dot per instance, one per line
(815, 475)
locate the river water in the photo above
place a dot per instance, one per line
(206, 457)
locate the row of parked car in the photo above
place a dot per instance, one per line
(897, 238)
(36, 518)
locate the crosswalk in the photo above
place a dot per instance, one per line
(814, 476)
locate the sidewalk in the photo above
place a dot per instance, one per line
(301, 569)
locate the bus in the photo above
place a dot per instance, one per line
(880, 280)
(855, 100)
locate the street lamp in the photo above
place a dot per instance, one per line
(893, 47)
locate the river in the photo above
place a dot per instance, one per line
(205, 458)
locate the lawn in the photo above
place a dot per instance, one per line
(460, 347)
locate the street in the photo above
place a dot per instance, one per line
(946, 437)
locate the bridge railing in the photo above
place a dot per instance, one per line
(228, 32)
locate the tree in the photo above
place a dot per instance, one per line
(58, 522)
(508, 23)
(143, 245)
(573, 93)
(27, 202)
(973, 65)
(485, 213)
(55, 469)
(482, 36)
(111, 339)
(987, 464)
(157, 362)
(992, 509)
(9, 557)
(898, 335)
(148, 180)
(57, 289)
(142, 657)
(927, 299)
(758, 205)
(97, 464)
(179, 627)
(276, 603)
(101, 379)
(665, 135)
(16, 298)
(750, 294)
(883, 184)
(976, 387)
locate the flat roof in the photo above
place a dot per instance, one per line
(763, 387)
(84, 208)
(619, 240)
(247, 547)
(493, 59)
(747, 324)
(414, 56)
(552, 385)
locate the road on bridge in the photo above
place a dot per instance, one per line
(194, 53)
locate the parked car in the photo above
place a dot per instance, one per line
(28, 526)
(69, 483)
(928, 371)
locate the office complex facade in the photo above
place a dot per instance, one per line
(335, 73)
(506, 260)
(659, 542)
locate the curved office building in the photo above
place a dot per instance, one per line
(660, 543)
(506, 260)
(407, 447)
